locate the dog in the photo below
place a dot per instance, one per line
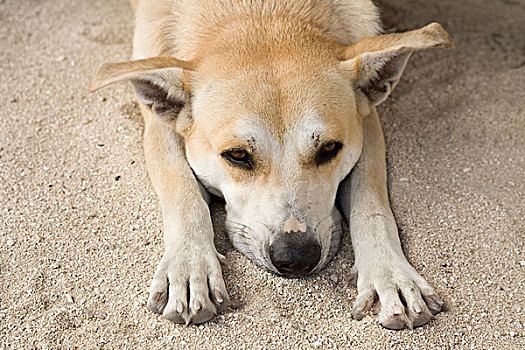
(272, 106)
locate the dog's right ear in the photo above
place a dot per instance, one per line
(161, 83)
(376, 63)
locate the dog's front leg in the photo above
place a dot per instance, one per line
(188, 285)
(407, 300)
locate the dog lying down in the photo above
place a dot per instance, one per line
(270, 105)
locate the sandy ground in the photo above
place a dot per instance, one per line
(80, 226)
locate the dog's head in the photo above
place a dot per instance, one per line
(275, 130)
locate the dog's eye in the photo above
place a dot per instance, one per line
(238, 154)
(328, 151)
(329, 148)
(238, 157)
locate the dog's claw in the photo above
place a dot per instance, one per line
(397, 310)
(188, 295)
(197, 305)
(417, 308)
(358, 315)
(364, 302)
(157, 302)
(358, 311)
(180, 307)
(434, 303)
(218, 296)
(419, 304)
(352, 277)
(175, 317)
(395, 318)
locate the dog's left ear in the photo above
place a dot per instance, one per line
(376, 63)
(161, 83)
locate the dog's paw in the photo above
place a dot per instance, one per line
(188, 287)
(406, 299)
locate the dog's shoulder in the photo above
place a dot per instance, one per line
(358, 19)
(167, 27)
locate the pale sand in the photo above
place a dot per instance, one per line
(78, 248)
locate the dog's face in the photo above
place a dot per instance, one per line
(276, 143)
(276, 135)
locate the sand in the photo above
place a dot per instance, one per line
(80, 225)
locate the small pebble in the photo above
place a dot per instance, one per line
(69, 298)
(334, 277)
(10, 242)
(522, 263)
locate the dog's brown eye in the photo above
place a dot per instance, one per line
(238, 154)
(328, 151)
(329, 148)
(238, 157)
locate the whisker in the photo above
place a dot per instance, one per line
(243, 235)
(237, 224)
(320, 221)
(238, 227)
(240, 230)
(337, 227)
(336, 224)
(265, 225)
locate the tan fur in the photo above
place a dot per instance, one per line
(276, 79)
(433, 35)
(134, 4)
(112, 72)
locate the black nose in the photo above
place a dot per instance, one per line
(295, 253)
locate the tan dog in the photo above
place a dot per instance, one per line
(270, 104)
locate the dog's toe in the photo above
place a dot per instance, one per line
(393, 314)
(395, 322)
(203, 315)
(157, 301)
(177, 309)
(364, 302)
(219, 295)
(433, 302)
(416, 308)
(158, 297)
(406, 299)
(176, 313)
(185, 292)
(421, 319)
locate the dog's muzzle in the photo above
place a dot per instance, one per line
(295, 253)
